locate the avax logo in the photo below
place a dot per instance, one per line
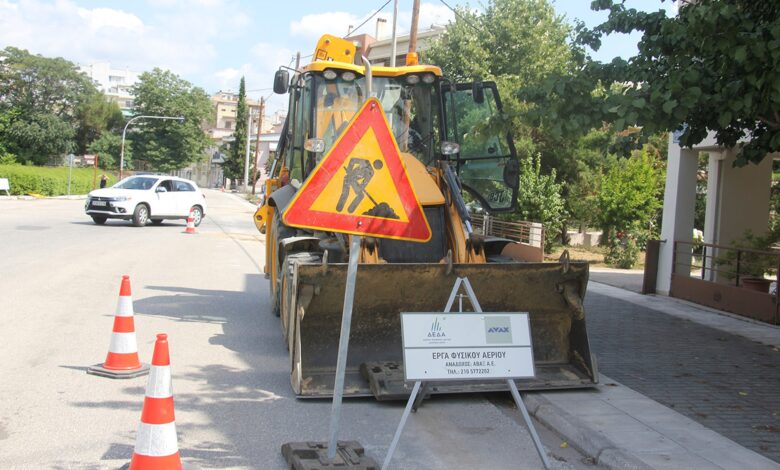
(499, 329)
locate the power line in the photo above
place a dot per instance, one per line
(369, 18)
(461, 17)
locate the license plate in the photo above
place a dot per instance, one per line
(99, 203)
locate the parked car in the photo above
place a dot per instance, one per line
(147, 198)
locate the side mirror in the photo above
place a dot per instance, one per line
(161, 189)
(477, 92)
(281, 81)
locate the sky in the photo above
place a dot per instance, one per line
(212, 43)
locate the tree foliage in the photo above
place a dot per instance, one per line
(234, 164)
(711, 67)
(629, 193)
(167, 144)
(539, 199)
(108, 149)
(49, 107)
(96, 115)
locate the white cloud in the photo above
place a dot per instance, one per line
(176, 35)
(338, 23)
(108, 18)
(432, 14)
(315, 25)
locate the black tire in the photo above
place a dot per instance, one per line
(157, 221)
(99, 219)
(141, 215)
(197, 215)
(279, 231)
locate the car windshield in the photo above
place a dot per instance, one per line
(136, 182)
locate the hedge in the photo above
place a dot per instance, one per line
(49, 181)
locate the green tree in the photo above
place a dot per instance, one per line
(39, 136)
(711, 67)
(166, 144)
(520, 44)
(539, 199)
(234, 164)
(95, 115)
(40, 98)
(629, 196)
(108, 148)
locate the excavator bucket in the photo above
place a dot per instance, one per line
(551, 292)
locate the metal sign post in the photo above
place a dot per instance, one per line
(341, 363)
(500, 330)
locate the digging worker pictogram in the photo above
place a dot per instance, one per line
(359, 173)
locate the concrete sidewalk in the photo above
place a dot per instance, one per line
(622, 428)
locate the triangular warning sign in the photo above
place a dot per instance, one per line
(361, 186)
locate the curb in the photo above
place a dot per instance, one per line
(604, 452)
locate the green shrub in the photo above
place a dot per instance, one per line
(25, 179)
(623, 251)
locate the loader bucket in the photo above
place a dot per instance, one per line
(551, 292)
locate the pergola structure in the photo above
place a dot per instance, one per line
(737, 200)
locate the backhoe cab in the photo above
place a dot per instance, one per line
(456, 161)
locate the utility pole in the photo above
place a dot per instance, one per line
(395, 22)
(257, 143)
(413, 32)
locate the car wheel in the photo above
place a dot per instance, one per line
(140, 215)
(157, 221)
(99, 219)
(197, 215)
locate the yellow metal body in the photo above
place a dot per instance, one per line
(309, 290)
(332, 48)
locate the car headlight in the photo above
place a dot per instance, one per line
(121, 198)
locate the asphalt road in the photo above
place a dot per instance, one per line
(59, 282)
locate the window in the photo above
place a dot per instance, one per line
(166, 184)
(182, 186)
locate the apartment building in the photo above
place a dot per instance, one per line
(115, 83)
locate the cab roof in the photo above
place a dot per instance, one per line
(376, 70)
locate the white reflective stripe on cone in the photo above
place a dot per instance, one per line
(123, 343)
(124, 307)
(159, 384)
(156, 440)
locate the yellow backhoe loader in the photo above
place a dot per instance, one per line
(454, 162)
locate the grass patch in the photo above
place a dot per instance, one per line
(594, 256)
(51, 181)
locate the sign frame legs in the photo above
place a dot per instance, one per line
(512, 386)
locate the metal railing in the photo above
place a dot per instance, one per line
(724, 264)
(529, 233)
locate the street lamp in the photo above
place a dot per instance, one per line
(124, 131)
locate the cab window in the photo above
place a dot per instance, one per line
(487, 163)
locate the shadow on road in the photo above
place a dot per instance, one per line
(241, 403)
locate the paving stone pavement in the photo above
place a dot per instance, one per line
(723, 381)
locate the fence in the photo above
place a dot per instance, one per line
(738, 280)
(530, 233)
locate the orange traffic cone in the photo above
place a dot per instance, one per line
(156, 446)
(122, 360)
(190, 224)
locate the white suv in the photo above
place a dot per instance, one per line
(145, 199)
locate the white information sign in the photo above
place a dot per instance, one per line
(465, 346)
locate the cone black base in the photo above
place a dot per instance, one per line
(101, 371)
